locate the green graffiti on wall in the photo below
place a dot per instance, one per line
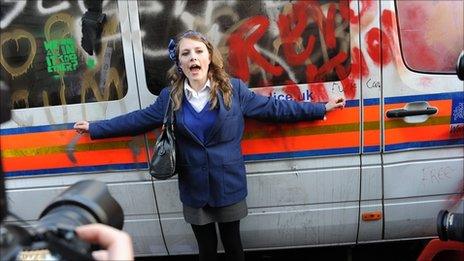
(61, 55)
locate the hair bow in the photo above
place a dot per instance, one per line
(172, 50)
(173, 55)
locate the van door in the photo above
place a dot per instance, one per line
(54, 83)
(303, 178)
(422, 114)
(371, 211)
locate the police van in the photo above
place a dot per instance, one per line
(379, 169)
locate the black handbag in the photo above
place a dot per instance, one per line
(163, 160)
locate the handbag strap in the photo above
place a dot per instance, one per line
(169, 115)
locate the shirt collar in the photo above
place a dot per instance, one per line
(189, 91)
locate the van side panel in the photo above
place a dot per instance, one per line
(41, 153)
(423, 154)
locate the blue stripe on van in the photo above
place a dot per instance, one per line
(42, 128)
(371, 148)
(108, 167)
(372, 101)
(423, 144)
(352, 103)
(300, 154)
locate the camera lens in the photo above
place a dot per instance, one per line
(450, 226)
(85, 202)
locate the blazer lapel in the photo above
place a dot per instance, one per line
(182, 127)
(220, 118)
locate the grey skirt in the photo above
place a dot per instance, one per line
(208, 214)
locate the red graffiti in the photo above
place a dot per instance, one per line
(344, 6)
(342, 73)
(387, 20)
(417, 53)
(372, 39)
(366, 5)
(289, 36)
(349, 86)
(329, 34)
(241, 44)
(326, 25)
(335, 63)
(292, 29)
(330, 64)
(373, 46)
(358, 64)
(311, 72)
(293, 90)
(314, 10)
(387, 36)
(318, 92)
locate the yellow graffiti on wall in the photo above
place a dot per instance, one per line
(16, 35)
(57, 34)
(113, 78)
(18, 96)
(59, 26)
(89, 84)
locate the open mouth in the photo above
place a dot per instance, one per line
(195, 68)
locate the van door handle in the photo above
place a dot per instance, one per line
(400, 113)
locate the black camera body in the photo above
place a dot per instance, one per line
(450, 226)
(85, 202)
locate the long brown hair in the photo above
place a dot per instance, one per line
(216, 74)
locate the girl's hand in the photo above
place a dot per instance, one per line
(335, 103)
(81, 127)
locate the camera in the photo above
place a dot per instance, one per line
(85, 202)
(450, 226)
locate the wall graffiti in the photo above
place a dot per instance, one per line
(14, 11)
(264, 43)
(43, 63)
(16, 35)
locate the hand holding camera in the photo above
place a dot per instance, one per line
(117, 244)
(82, 215)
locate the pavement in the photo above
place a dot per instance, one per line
(403, 250)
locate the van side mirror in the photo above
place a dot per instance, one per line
(460, 67)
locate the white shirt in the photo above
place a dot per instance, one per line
(199, 99)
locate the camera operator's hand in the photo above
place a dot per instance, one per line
(117, 244)
(81, 126)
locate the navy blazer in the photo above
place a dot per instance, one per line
(212, 172)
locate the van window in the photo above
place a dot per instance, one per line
(431, 34)
(265, 43)
(42, 60)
